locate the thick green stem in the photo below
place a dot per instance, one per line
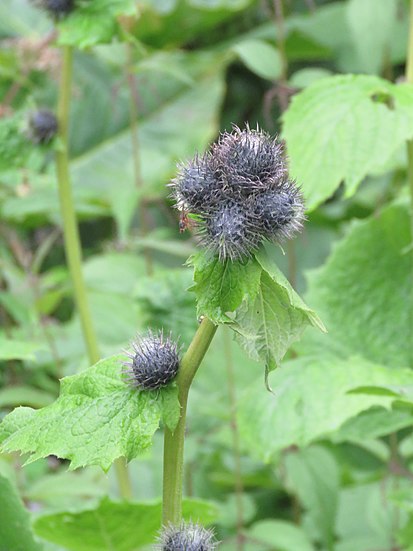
(409, 77)
(71, 235)
(173, 459)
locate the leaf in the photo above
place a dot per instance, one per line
(373, 423)
(267, 325)
(11, 349)
(366, 299)
(221, 287)
(96, 419)
(15, 529)
(15, 147)
(312, 475)
(260, 57)
(114, 526)
(113, 272)
(310, 401)
(371, 47)
(282, 535)
(342, 128)
(94, 22)
(24, 395)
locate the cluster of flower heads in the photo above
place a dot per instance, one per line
(58, 9)
(186, 537)
(154, 361)
(42, 126)
(240, 194)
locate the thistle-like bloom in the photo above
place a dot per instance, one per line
(280, 212)
(42, 126)
(251, 160)
(240, 194)
(197, 186)
(154, 361)
(186, 537)
(56, 8)
(231, 231)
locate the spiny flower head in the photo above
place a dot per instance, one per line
(280, 212)
(197, 185)
(251, 160)
(154, 361)
(186, 537)
(56, 8)
(42, 126)
(240, 194)
(230, 231)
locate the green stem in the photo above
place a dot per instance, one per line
(70, 229)
(173, 459)
(71, 235)
(409, 78)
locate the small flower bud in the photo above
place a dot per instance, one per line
(42, 126)
(280, 212)
(186, 537)
(230, 232)
(197, 186)
(251, 160)
(56, 8)
(154, 361)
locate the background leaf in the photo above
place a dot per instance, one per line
(15, 529)
(342, 128)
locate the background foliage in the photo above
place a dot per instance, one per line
(325, 461)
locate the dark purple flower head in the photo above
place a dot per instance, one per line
(251, 160)
(186, 537)
(56, 8)
(240, 193)
(280, 212)
(197, 185)
(154, 361)
(231, 231)
(42, 126)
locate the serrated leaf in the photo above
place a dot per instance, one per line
(260, 57)
(267, 325)
(115, 526)
(15, 529)
(96, 419)
(310, 401)
(342, 128)
(366, 299)
(94, 22)
(221, 287)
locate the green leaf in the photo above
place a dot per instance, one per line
(11, 349)
(221, 287)
(94, 22)
(282, 535)
(267, 325)
(260, 57)
(114, 526)
(24, 395)
(96, 419)
(371, 47)
(15, 529)
(365, 299)
(15, 147)
(310, 401)
(312, 475)
(345, 127)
